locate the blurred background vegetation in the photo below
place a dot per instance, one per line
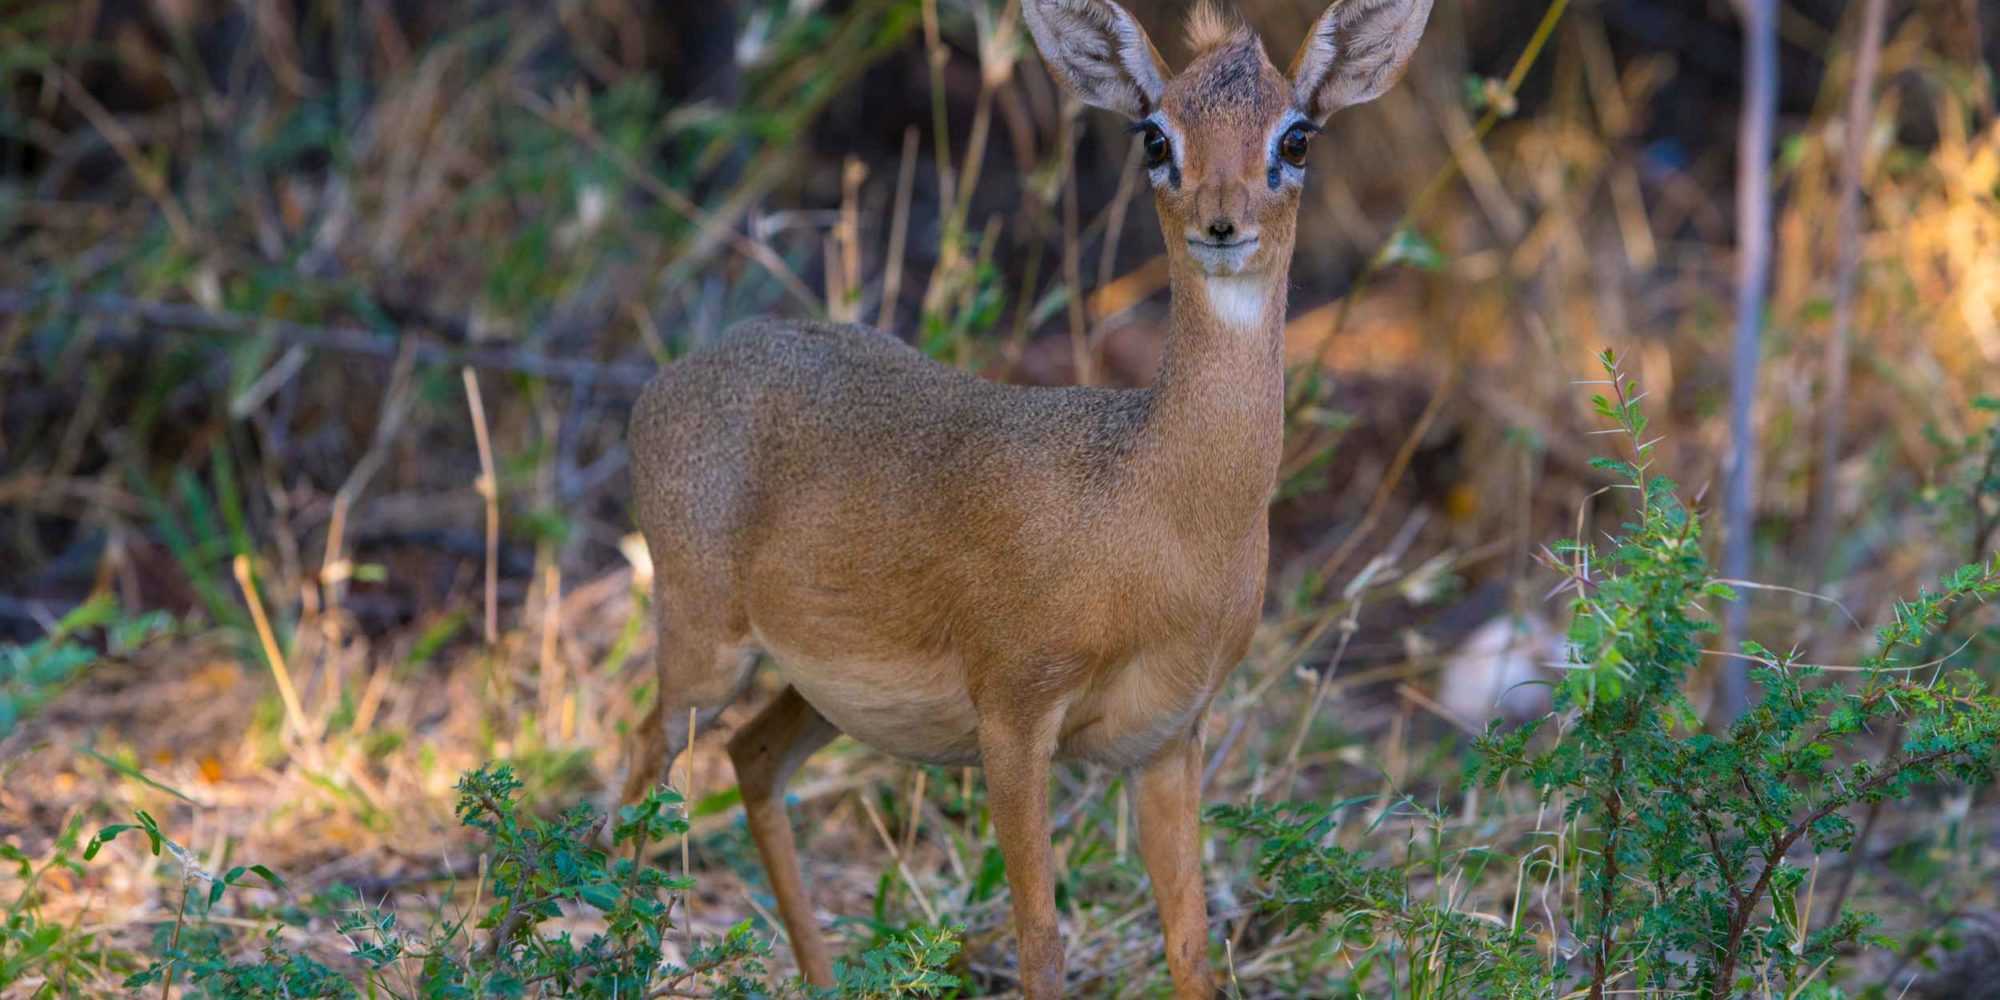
(319, 320)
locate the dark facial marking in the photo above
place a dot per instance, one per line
(1232, 81)
(1231, 75)
(1233, 78)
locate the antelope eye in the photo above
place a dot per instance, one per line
(1158, 150)
(1292, 145)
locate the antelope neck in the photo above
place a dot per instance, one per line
(1216, 425)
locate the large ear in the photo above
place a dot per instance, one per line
(1355, 53)
(1097, 49)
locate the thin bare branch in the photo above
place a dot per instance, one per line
(134, 318)
(1854, 154)
(1753, 273)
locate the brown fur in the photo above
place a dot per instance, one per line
(959, 571)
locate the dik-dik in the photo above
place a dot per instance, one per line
(956, 571)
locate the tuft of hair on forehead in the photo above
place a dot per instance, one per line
(1207, 27)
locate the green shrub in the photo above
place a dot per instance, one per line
(30, 943)
(1687, 843)
(30, 675)
(536, 870)
(1425, 947)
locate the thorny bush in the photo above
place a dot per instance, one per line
(1691, 848)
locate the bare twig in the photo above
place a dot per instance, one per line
(1072, 258)
(755, 251)
(833, 285)
(1526, 61)
(899, 231)
(1350, 623)
(848, 236)
(916, 811)
(1795, 592)
(687, 792)
(554, 719)
(488, 486)
(996, 67)
(1114, 227)
(896, 855)
(1854, 154)
(1391, 478)
(122, 142)
(295, 713)
(169, 317)
(174, 943)
(937, 56)
(334, 567)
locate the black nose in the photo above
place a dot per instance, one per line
(1221, 230)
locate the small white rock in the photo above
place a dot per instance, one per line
(1497, 672)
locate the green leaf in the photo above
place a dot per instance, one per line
(135, 774)
(103, 837)
(1407, 246)
(602, 895)
(99, 610)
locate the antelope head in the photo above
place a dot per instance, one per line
(1226, 139)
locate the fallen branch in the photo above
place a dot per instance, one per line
(140, 317)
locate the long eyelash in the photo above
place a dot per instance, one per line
(1140, 126)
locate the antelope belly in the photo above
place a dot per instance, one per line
(917, 711)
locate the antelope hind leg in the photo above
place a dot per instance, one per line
(698, 671)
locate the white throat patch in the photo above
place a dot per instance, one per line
(1239, 300)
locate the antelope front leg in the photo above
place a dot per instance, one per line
(1016, 759)
(1170, 844)
(765, 753)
